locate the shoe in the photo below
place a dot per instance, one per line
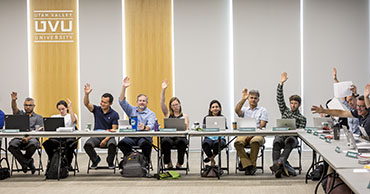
(275, 167)
(111, 166)
(290, 169)
(240, 167)
(94, 165)
(278, 173)
(250, 170)
(24, 169)
(206, 160)
(284, 170)
(31, 166)
(70, 168)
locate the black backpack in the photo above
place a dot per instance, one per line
(4, 172)
(134, 165)
(52, 168)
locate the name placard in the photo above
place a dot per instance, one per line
(168, 130)
(316, 133)
(337, 149)
(352, 154)
(127, 130)
(10, 130)
(309, 131)
(327, 140)
(322, 137)
(280, 128)
(247, 129)
(211, 129)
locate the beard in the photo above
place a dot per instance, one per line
(141, 107)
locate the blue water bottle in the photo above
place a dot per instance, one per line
(133, 122)
(156, 125)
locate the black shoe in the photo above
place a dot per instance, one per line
(94, 165)
(206, 160)
(290, 169)
(284, 170)
(31, 166)
(24, 169)
(241, 167)
(250, 170)
(278, 173)
(111, 166)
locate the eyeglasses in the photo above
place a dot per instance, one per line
(361, 106)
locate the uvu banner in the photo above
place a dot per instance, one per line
(53, 43)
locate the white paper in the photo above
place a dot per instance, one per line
(342, 89)
(335, 103)
(362, 170)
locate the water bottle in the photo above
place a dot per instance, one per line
(156, 125)
(133, 122)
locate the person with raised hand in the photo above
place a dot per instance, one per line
(174, 110)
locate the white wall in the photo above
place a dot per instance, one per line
(100, 52)
(336, 33)
(201, 57)
(13, 52)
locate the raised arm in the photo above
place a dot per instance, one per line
(73, 116)
(14, 102)
(126, 83)
(280, 93)
(332, 112)
(335, 75)
(87, 103)
(163, 96)
(366, 95)
(238, 108)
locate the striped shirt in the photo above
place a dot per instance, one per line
(286, 113)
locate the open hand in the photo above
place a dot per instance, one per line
(126, 82)
(245, 94)
(317, 109)
(283, 78)
(164, 84)
(87, 89)
(14, 96)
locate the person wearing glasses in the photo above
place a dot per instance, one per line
(361, 112)
(26, 143)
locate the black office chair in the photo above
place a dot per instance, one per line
(226, 149)
(299, 149)
(103, 167)
(261, 155)
(17, 169)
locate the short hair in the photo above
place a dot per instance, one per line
(140, 95)
(362, 97)
(295, 98)
(29, 99)
(108, 95)
(254, 92)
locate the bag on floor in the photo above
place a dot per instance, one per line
(211, 171)
(4, 173)
(134, 165)
(339, 186)
(168, 175)
(52, 167)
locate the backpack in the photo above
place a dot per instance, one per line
(134, 165)
(211, 171)
(52, 167)
(4, 172)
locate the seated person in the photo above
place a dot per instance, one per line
(167, 142)
(70, 120)
(145, 119)
(248, 162)
(2, 115)
(210, 144)
(286, 143)
(26, 143)
(105, 119)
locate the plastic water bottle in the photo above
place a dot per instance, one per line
(156, 125)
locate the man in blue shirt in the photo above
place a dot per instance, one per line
(145, 118)
(105, 119)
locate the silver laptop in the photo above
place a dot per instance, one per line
(288, 123)
(350, 139)
(364, 133)
(246, 122)
(218, 122)
(178, 124)
(124, 124)
(319, 122)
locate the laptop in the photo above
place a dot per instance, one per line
(52, 123)
(286, 123)
(320, 121)
(246, 122)
(124, 124)
(218, 122)
(352, 142)
(364, 133)
(178, 124)
(21, 122)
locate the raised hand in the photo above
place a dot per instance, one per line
(335, 75)
(164, 84)
(245, 94)
(317, 109)
(283, 78)
(14, 96)
(126, 82)
(87, 89)
(69, 103)
(367, 90)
